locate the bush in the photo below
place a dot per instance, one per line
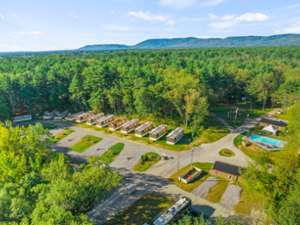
(146, 161)
(109, 156)
(226, 153)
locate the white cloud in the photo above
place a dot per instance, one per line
(150, 17)
(189, 3)
(2, 16)
(253, 17)
(292, 28)
(230, 20)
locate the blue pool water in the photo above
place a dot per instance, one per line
(266, 140)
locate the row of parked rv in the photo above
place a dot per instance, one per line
(55, 115)
(126, 127)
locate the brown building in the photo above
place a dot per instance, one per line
(265, 121)
(225, 170)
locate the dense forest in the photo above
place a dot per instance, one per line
(176, 85)
(38, 186)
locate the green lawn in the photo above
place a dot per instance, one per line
(61, 135)
(216, 192)
(254, 152)
(190, 187)
(250, 200)
(226, 153)
(147, 160)
(144, 210)
(85, 143)
(213, 131)
(109, 156)
(238, 140)
(211, 135)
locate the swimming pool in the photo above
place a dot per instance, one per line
(269, 142)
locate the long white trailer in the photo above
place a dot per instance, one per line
(104, 121)
(129, 126)
(144, 129)
(175, 136)
(174, 212)
(158, 132)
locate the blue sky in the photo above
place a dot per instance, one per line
(67, 24)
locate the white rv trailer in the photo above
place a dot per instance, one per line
(48, 116)
(104, 121)
(72, 117)
(83, 117)
(129, 126)
(174, 212)
(92, 120)
(175, 136)
(144, 129)
(158, 132)
(60, 115)
(116, 124)
(22, 118)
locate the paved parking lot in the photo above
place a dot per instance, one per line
(133, 187)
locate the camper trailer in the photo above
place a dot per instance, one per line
(92, 120)
(83, 117)
(48, 116)
(129, 126)
(60, 115)
(72, 117)
(158, 132)
(144, 129)
(116, 124)
(105, 121)
(22, 119)
(192, 175)
(175, 212)
(175, 136)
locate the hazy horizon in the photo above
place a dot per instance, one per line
(55, 25)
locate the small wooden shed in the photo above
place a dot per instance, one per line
(225, 170)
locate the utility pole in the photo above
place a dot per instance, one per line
(178, 163)
(236, 113)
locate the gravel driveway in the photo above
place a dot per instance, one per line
(203, 189)
(231, 196)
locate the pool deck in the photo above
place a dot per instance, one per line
(264, 145)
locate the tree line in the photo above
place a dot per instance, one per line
(175, 85)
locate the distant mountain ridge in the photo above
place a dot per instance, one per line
(104, 47)
(192, 42)
(182, 43)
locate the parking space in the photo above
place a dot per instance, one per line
(231, 197)
(203, 189)
(100, 148)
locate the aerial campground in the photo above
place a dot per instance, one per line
(175, 131)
